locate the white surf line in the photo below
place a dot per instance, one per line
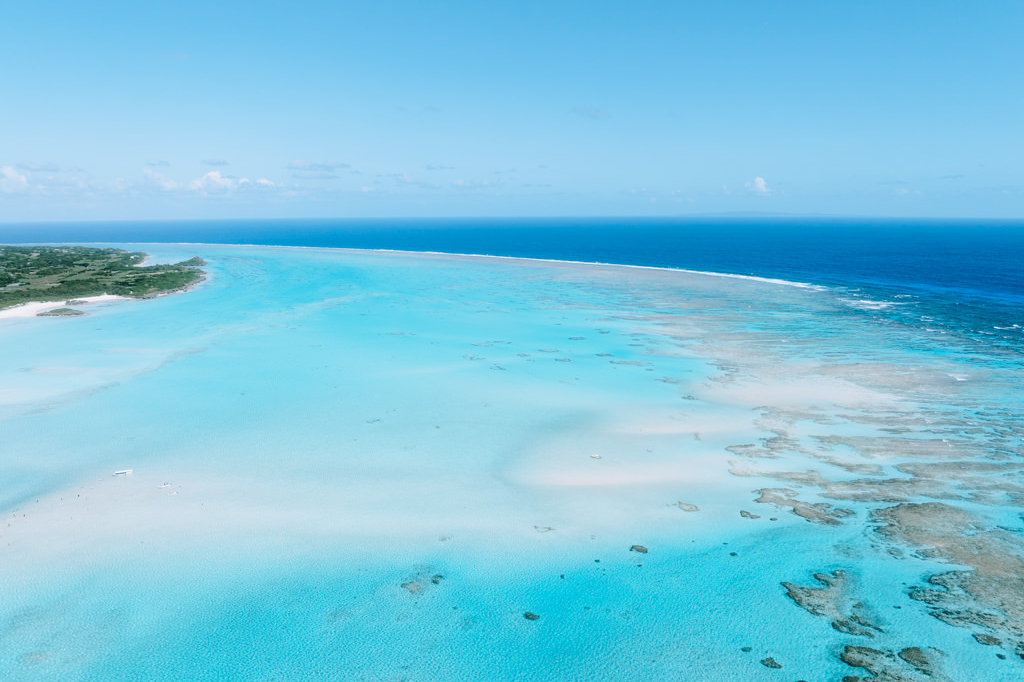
(343, 249)
(754, 278)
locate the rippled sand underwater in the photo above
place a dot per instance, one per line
(373, 466)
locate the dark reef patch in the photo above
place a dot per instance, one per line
(834, 601)
(988, 595)
(820, 512)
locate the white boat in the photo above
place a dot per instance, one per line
(123, 472)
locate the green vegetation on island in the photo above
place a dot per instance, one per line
(52, 273)
(193, 262)
(61, 312)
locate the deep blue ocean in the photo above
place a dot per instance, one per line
(958, 275)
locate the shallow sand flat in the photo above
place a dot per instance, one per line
(352, 464)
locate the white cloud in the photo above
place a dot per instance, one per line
(62, 185)
(214, 182)
(160, 180)
(11, 181)
(759, 186)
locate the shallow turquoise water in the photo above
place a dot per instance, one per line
(331, 426)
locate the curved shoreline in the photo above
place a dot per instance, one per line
(729, 275)
(34, 308)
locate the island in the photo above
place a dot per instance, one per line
(52, 273)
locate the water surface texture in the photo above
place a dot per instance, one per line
(372, 466)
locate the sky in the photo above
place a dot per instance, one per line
(137, 110)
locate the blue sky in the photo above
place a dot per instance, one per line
(130, 110)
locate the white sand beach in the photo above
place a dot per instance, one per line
(35, 307)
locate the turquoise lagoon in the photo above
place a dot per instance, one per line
(369, 466)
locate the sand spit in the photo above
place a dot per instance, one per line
(47, 308)
(35, 308)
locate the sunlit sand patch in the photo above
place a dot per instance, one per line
(800, 391)
(58, 369)
(16, 396)
(628, 474)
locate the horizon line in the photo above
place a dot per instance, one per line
(690, 216)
